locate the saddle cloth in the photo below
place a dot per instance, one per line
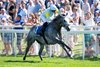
(38, 29)
(42, 28)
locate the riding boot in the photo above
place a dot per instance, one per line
(43, 29)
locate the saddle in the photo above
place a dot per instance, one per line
(41, 29)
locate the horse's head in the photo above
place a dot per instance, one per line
(61, 21)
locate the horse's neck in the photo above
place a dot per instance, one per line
(55, 26)
(54, 30)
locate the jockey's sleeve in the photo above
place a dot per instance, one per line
(43, 18)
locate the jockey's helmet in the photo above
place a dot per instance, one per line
(53, 7)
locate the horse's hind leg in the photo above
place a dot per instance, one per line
(40, 51)
(29, 43)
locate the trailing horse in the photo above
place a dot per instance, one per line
(52, 35)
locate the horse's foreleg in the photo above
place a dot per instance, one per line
(71, 54)
(68, 48)
(62, 44)
(40, 51)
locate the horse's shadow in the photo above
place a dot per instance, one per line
(88, 58)
(28, 61)
(21, 61)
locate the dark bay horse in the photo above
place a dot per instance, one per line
(52, 35)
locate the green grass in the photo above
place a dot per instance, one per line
(34, 61)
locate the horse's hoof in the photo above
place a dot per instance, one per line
(41, 59)
(24, 58)
(72, 56)
(70, 52)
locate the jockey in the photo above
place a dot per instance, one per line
(47, 16)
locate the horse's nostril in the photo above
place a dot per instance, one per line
(69, 29)
(64, 20)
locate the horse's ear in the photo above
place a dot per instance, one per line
(60, 16)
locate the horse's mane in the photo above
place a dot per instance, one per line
(57, 18)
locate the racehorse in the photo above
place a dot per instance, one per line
(52, 35)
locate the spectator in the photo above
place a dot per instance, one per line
(85, 7)
(37, 6)
(1, 6)
(5, 4)
(42, 3)
(94, 6)
(98, 24)
(75, 15)
(46, 3)
(18, 21)
(62, 4)
(89, 38)
(98, 38)
(50, 2)
(79, 10)
(7, 37)
(74, 22)
(12, 9)
(22, 10)
(68, 11)
(3, 14)
(96, 9)
(30, 7)
(88, 17)
(32, 20)
(90, 2)
(97, 17)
